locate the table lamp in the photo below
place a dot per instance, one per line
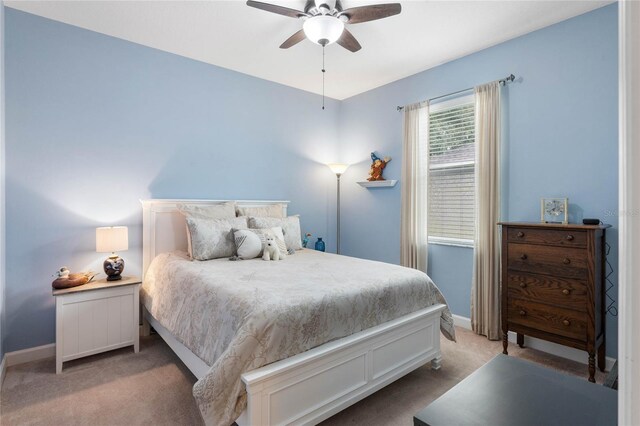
(110, 239)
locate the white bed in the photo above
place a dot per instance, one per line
(313, 385)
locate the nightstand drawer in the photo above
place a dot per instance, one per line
(563, 322)
(557, 261)
(550, 237)
(557, 291)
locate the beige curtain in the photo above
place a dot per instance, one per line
(415, 155)
(485, 294)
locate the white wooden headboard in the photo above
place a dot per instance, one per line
(164, 227)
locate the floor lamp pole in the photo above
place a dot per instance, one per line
(338, 215)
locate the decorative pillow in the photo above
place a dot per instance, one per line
(212, 238)
(271, 210)
(290, 227)
(250, 242)
(213, 211)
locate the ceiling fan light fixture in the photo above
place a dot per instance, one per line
(323, 30)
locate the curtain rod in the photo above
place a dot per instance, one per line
(503, 81)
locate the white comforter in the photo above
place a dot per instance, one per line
(239, 316)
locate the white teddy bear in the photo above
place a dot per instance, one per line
(271, 250)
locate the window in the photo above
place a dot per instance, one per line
(452, 172)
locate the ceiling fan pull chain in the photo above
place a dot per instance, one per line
(323, 71)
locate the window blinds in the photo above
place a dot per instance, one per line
(451, 172)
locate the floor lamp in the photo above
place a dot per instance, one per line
(338, 169)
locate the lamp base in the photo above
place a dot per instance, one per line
(113, 267)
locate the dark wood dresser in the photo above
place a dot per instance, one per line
(553, 285)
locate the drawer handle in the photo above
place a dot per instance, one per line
(522, 313)
(569, 237)
(565, 292)
(566, 261)
(520, 234)
(523, 256)
(566, 322)
(523, 285)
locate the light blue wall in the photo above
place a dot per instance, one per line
(95, 123)
(561, 140)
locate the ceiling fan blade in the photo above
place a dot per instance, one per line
(292, 13)
(348, 41)
(360, 14)
(293, 40)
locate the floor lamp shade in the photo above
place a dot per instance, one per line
(338, 168)
(110, 239)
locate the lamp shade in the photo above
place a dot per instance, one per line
(322, 29)
(110, 239)
(338, 168)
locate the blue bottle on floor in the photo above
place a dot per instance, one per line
(320, 244)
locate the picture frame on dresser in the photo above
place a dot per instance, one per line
(553, 286)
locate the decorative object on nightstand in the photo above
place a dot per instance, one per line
(96, 317)
(110, 239)
(305, 240)
(320, 244)
(66, 279)
(338, 169)
(554, 210)
(553, 286)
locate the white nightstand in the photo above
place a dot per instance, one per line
(96, 317)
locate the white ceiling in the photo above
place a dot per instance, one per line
(234, 36)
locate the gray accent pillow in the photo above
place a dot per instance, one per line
(250, 242)
(290, 228)
(271, 210)
(225, 210)
(212, 238)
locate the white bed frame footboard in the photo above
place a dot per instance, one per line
(312, 386)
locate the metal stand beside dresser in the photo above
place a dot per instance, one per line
(553, 285)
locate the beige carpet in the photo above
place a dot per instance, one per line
(154, 387)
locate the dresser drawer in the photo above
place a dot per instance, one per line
(557, 291)
(554, 237)
(557, 261)
(559, 321)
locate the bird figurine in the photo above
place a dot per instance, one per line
(67, 279)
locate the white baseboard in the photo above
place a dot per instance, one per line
(461, 321)
(542, 345)
(30, 354)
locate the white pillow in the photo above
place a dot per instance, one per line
(290, 227)
(271, 210)
(213, 211)
(212, 238)
(250, 242)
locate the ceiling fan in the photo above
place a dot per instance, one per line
(324, 21)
